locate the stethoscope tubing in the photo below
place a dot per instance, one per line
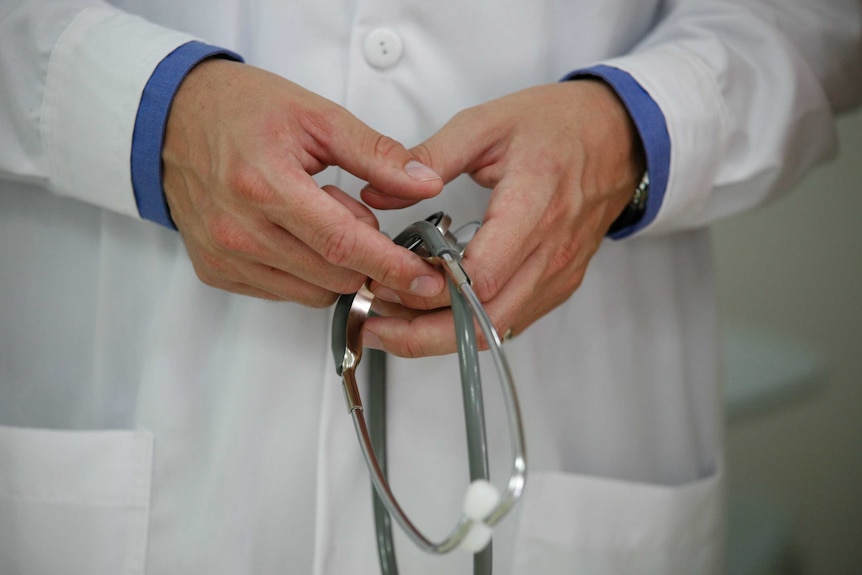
(474, 416)
(432, 240)
(474, 409)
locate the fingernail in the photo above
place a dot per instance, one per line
(387, 294)
(425, 286)
(371, 340)
(420, 172)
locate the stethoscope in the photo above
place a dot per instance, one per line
(484, 506)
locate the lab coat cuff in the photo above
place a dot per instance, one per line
(93, 84)
(652, 128)
(151, 121)
(697, 120)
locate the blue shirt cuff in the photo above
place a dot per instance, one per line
(652, 128)
(150, 123)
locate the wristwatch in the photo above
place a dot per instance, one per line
(636, 208)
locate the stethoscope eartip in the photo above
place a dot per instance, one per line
(480, 500)
(477, 538)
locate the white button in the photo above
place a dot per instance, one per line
(383, 48)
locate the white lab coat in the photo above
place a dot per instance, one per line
(152, 425)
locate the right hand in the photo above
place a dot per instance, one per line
(240, 148)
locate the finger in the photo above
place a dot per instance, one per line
(220, 281)
(530, 294)
(286, 286)
(272, 246)
(259, 280)
(547, 278)
(378, 159)
(512, 229)
(235, 239)
(526, 298)
(463, 145)
(330, 228)
(358, 209)
(243, 289)
(388, 309)
(383, 201)
(431, 333)
(384, 294)
(515, 224)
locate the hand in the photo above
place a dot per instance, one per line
(240, 148)
(563, 161)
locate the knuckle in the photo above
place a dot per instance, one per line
(384, 146)
(413, 348)
(319, 122)
(335, 243)
(486, 285)
(226, 235)
(574, 280)
(211, 264)
(245, 183)
(206, 275)
(422, 153)
(391, 274)
(562, 258)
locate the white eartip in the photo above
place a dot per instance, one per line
(481, 498)
(477, 538)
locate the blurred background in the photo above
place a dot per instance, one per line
(790, 284)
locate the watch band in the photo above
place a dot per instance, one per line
(634, 211)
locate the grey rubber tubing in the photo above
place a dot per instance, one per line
(474, 416)
(377, 430)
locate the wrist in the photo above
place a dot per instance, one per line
(151, 122)
(654, 140)
(625, 180)
(190, 102)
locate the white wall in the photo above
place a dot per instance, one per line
(796, 267)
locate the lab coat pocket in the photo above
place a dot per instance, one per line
(574, 524)
(74, 502)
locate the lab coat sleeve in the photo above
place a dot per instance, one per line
(749, 91)
(71, 77)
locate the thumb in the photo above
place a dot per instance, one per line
(463, 145)
(383, 162)
(448, 153)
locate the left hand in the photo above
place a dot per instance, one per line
(563, 161)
